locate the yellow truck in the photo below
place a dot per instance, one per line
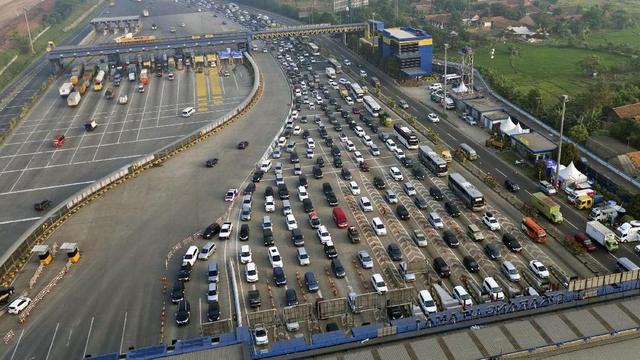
(199, 62)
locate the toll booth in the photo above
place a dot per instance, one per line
(73, 253)
(43, 254)
(237, 57)
(114, 25)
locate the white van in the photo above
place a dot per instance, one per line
(426, 302)
(491, 286)
(378, 226)
(187, 112)
(468, 152)
(206, 251)
(191, 255)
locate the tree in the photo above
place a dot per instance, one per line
(592, 64)
(20, 42)
(540, 166)
(570, 153)
(620, 19)
(633, 207)
(545, 22)
(533, 101)
(578, 133)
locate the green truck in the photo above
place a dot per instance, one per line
(547, 207)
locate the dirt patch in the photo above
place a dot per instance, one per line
(12, 18)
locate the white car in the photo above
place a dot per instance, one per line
(375, 150)
(378, 284)
(269, 204)
(343, 81)
(354, 188)
(436, 221)
(347, 62)
(291, 222)
(409, 189)
(403, 104)
(399, 154)
(462, 296)
(491, 222)
(391, 145)
(212, 292)
(367, 140)
(363, 73)
(357, 156)
(378, 226)
(302, 193)
(323, 234)
(349, 100)
(187, 112)
(245, 254)
(311, 144)
(433, 118)
(18, 305)
(435, 86)
(309, 154)
(191, 255)
(230, 195)
(350, 146)
(539, 269)
(396, 174)
(260, 335)
(251, 272)
(360, 131)
(365, 204)
(265, 165)
(297, 130)
(343, 138)
(294, 114)
(274, 257)
(225, 230)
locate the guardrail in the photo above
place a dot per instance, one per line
(18, 254)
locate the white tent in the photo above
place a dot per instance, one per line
(507, 126)
(518, 130)
(462, 88)
(571, 174)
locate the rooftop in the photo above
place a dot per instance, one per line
(483, 105)
(535, 142)
(496, 115)
(631, 111)
(406, 33)
(414, 72)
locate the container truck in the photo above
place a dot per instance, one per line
(602, 235)
(66, 89)
(331, 73)
(99, 81)
(76, 73)
(82, 88)
(547, 207)
(74, 99)
(89, 72)
(144, 76)
(629, 231)
(132, 73)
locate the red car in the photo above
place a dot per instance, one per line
(356, 110)
(58, 141)
(584, 240)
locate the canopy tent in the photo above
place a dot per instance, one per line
(507, 126)
(462, 88)
(571, 174)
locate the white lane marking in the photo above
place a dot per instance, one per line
(69, 338)
(18, 220)
(527, 191)
(498, 170)
(200, 309)
(144, 108)
(159, 108)
(178, 95)
(124, 326)
(47, 187)
(86, 344)
(451, 136)
(570, 223)
(52, 340)
(83, 162)
(17, 344)
(124, 121)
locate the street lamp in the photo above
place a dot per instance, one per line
(29, 30)
(444, 98)
(564, 99)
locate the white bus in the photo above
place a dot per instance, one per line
(406, 137)
(450, 77)
(335, 64)
(357, 91)
(469, 194)
(432, 161)
(315, 50)
(371, 105)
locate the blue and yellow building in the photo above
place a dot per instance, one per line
(413, 49)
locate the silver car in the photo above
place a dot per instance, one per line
(365, 260)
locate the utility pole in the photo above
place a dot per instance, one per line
(564, 99)
(396, 10)
(26, 18)
(444, 98)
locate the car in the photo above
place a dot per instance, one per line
(419, 238)
(330, 250)
(225, 231)
(323, 234)
(343, 138)
(547, 188)
(450, 239)
(363, 73)
(474, 232)
(378, 183)
(391, 145)
(297, 169)
(278, 276)
(433, 118)
(230, 195)
(493, 251)
(378, 284)
(257, 176)
(511, 186)
(317, 172)
(123, 99)
(394, 252)
(245, 254)
(303, 256)
(452, 209)
(409, 189)
(243, 145)
(491, 222)
(354, 188)
(436, 193)
(274, 257)
(471, 264)
(184, 273)
(363, 166)
(357, 156)
(390, 196)
(260, 335)
(191, 255)
(435, 86)
(211, 162)
(378, 226)
(311, 282)
(419, 172)
(403, 104)
(177, 292)
(337, 162)
(251, 272)
(511, 242)
(435, 220)
(18, 305)
(365, 204)
(403, 213)
(269, 204)
(213, 312)
(277, 153)
(207, 250)
(211, 231)
(297, 130)
(420, 202)
(584, 241)
(346, 174)
(399, 154)
(395, 174)
(510, 271)
(183, 313)
(349, 100)
(342, 81)
(539, 269)
(212, 292)
(365, 259)
(291, 222)
(302, 180)
(462, 296)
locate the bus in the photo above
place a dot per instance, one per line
(99, 81)
(335, 64)
(356, 91)
(468, 193)
(304, 39)
(450, 77)
(433, 161)
(406, 137)
(535, 231)
(371, 105)
(315, 50)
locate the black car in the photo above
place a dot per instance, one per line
(278, 276)
(249, 189)
(511, 242)
(184, 274)
(436, 193)
(302, 180)
(326, 188)
(407, 162)
(254, 298)
(471, 264)
(332, 200)
(177, 293)
(323, 133)
(307, 205)
(317, 172)
(394, 312)
(403, 213)
(492, 251)
(328, 141)
(257, 176)
(335, 151)
(268, 191)
(378, 183)
(452, 209)
(243, 145)
(441, 267)
(244, 232)
(212, 162)
(511, 186)
(420, 202)
(419, 172)
(297, 237)
(374, 128)
(211, 231)
(450, 238)
(337, 162)
(291, 297)
(320, 162)
(346, 174)
(42, 205)
(337, 268)
(283, 192)
(333, 101)
(267, 237)
(330, 250)
(337, 127)
(183, 313)
(294, 158)
(305, 133)
(213, 314)
(394, 252)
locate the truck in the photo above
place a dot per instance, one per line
(74, 99)
(99, 81)
(132, 73)
(608, 212)
(199, 63)
(547, 207)
(65, 89)
(89, 72)
(446, 300)
(144, 76)
(444, 152)
(601, 234)
(375, 82)
(212, 60)
(172, 64)
(82, 88)
(343, 91)
(76, 73)
(331, 72)
(629, 231)
(145, 12)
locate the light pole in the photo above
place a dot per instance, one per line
(444, 98)
(564, 99)
(28, 30)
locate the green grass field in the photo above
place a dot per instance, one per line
(554, 71)
(630, 36)
(632, 6)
